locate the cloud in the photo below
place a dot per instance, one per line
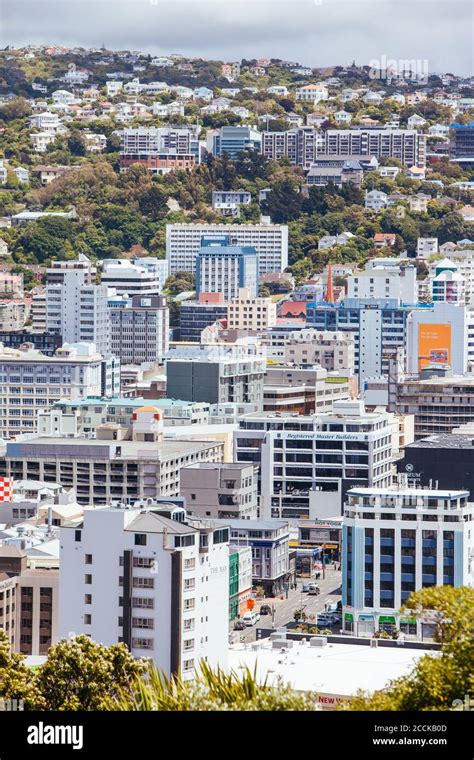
(313, 32)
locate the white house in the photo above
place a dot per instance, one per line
(375, 200)
(342, 117)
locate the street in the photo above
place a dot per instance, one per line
(284, 608)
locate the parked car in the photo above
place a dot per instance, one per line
(314, 590)
(265, 609)
(305, 588)
(250, 618)
(239, 625)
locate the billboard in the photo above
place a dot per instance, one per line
(434, 344)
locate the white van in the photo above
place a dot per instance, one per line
(250, 618)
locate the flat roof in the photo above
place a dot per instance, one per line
(407, 491)
(337, 669)
(130, 449)
(444, 441)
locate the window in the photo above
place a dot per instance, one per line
(188, 665)
(140, 539)
(87, 598)
(77, 535)
(87, 619)
(88, 559)
(189, 604)
(88, 579)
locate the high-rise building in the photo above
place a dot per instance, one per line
(463, 141)
(139, 331)
(222, 267)
(77, 310)
(306, 461)
(159, 267)
(159, 583)
(439, 399)
(130, 279)
(397, 540)
(160, 149)
(234, 140)
(215, 373)
(406, 145)
(183, 243)
(299, 145)
(33, 382)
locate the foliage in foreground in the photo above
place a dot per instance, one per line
(436, 681)
(212, 690)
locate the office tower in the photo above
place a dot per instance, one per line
(215, 373)
(183, 243)
(234, 140)
(222, 267)
(139, 331)
(130, 279)
(397, 540)
(309, 462)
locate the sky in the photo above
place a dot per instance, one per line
(312, 32)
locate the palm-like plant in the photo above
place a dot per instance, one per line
(210, 690)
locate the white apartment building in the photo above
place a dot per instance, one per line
(183, 243)
(384, 282)
(398, 540)
(139, 331)
(130, 279)
(159, 267)
(12, 314)
(38, 312)
(407, 145)
(158, 584)
(331, 350)
(33, 382)
(77, 310)
(426, 247)
(247, 313)
(324, 453)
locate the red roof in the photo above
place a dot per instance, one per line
(379, 236)
(293, 308)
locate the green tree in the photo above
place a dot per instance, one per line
(285, 202)
(80, 674)
(76, 143)
(179, 282)
(436, 682)
(152, 202)
(16, 679)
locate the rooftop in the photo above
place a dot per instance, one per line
(335, 669)
(444, 441)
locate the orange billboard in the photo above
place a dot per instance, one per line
(434, 344)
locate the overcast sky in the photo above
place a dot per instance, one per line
(312, 32)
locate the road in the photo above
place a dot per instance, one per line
(285, 608)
